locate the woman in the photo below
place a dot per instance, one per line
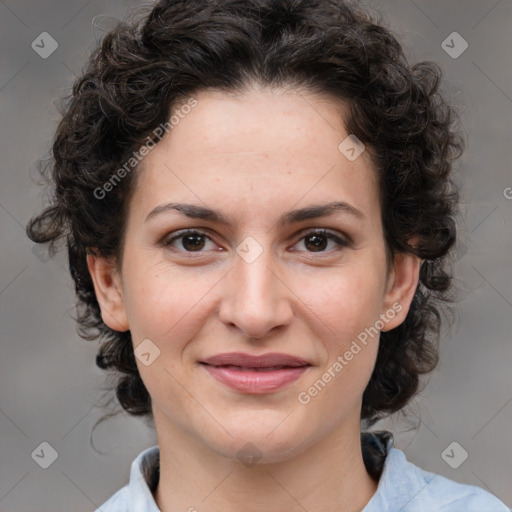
(206, 152)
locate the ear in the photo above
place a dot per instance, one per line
(400, 288)
(109, 291)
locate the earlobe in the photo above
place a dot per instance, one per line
(109, 292)
(401, 287)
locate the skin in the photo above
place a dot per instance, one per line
(255, 156)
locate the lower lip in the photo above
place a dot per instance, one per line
(255, 381)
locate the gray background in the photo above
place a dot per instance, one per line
(50, 387)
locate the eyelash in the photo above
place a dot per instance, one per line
(320, 231)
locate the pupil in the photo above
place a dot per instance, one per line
(198, 244)
(318, 244)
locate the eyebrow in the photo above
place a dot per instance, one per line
(291, 217)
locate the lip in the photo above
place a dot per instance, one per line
(251, 361)
(255, 374)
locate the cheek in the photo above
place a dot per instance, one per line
(351, 310)
(348, 302)
(160, 303)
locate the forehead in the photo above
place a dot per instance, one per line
(259, 121)
(257, 149)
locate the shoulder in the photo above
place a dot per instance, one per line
(406, 487)
(447, 495)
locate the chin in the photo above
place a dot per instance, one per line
(256, 443)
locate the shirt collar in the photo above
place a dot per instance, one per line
(141, 498)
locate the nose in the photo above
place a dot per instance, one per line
(255, 298)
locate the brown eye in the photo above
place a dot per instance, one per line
(191, 240)
(317, 240)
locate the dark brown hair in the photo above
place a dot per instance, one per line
(142, 69)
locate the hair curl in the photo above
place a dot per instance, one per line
(143, 68)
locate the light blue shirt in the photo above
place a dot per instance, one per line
(403, 487)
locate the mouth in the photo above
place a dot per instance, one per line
(255, 374)
(254, 368)
(242, 360)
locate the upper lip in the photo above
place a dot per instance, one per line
(251, 361)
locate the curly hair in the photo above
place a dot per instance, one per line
(144, 67)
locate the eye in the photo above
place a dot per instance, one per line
(191, 240)
(317, 240)
(194, 241)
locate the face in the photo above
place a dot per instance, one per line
(255, 284)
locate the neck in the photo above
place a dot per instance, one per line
(329, 476)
